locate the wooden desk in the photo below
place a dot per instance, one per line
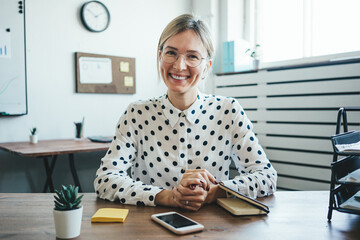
(293, 215)
(53, 148)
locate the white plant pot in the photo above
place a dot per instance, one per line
(33, 139)
(255, 64)
(68, 223)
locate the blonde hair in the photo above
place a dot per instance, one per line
(182, 23)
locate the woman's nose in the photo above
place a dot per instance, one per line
(180, 63)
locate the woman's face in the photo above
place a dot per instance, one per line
(178, 76)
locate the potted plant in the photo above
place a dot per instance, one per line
(33, 135)
(255, 54)
(67, 212)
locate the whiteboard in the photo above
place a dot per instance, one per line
(13, 100)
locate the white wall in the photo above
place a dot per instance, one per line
(54, 32)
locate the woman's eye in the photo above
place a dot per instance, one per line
(170, 53)
(193, 57)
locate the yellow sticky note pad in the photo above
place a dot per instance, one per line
(128, 81)
(110, 215)
(124, 66)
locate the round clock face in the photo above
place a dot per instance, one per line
(95, 16)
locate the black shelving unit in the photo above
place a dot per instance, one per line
(341, 191)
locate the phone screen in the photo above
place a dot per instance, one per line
(176, 220)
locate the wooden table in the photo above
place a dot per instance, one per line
(53, 148)
(293, 215)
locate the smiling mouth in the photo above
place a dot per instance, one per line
(178, 77)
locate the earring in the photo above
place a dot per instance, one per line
(204, 74)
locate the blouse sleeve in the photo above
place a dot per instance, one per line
(257, 177)
(112, 181)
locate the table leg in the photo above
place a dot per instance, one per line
(73, 171)
(49, 170)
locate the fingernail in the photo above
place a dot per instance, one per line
(216, 182)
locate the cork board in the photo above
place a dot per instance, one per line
(104, 74)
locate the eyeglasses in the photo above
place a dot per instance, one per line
(192, 59)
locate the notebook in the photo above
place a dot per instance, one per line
(241, 204)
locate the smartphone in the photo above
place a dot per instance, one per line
(177, 223)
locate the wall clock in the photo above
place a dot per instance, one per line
(95, 16)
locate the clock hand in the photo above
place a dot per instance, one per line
(99, 14)
(90, 12)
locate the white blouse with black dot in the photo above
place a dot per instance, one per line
(159, 142)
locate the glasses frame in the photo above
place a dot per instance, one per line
(177, 58)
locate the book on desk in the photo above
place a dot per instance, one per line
(241, 204)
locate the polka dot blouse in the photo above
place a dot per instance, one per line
(157, 143)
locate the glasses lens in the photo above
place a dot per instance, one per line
(191, 59)
(169, 56)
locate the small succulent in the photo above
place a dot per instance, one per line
(67, 199)
(33, 131)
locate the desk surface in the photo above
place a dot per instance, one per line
(53, 147)
(293, 215)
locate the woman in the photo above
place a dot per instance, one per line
(180, 144)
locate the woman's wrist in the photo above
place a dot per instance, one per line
(215, 193)
(165, 198)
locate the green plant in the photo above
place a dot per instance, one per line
(254, 52)
(33, 131)
(67, 199)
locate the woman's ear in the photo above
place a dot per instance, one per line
(207, 67)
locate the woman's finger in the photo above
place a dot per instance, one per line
(203, 177)
(190, 205)
(195, 179)
(189, 191)
(206, 175)
(211, 177)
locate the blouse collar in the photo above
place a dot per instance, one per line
(173, 114)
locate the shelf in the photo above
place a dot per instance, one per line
(347, 154)
(346, 138)
(348, 183)
(345, 210)
(341, 191)
(344, 167)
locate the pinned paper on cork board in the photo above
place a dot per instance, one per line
(97, 73)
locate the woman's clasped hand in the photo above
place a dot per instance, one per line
(195, 189)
